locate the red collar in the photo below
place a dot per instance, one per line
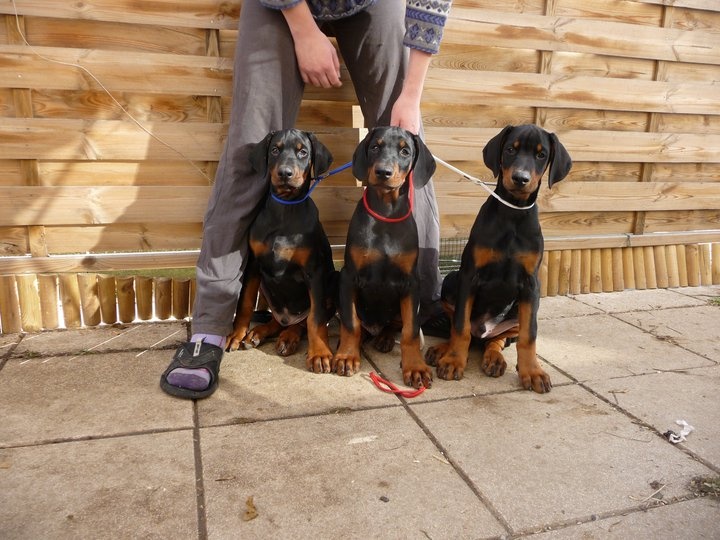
(411, 198)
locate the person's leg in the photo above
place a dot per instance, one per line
(371, 44)
(267, 91)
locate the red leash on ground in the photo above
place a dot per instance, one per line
(390, 388)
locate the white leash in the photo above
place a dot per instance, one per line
(482, 184)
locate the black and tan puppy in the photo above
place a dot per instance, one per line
(379, 286)
(290, 258)
(495, 295)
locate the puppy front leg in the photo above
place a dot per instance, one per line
(319, 355)
(246, 306)
(532, 376)
(347, 358)
(416, 372)
(453, 361)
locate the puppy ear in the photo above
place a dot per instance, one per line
(321, 156)
(492, 153)
(360, 161)
(560, 162)
(424, 165)
(259, 154)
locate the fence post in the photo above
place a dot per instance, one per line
(9, 307)
(89, 300)
(29, 302)
(48, 285)
(108, 303)
(70, 295)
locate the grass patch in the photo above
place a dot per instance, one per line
(714, 301)
(706, 486)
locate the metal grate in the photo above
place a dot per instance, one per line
(450, 254)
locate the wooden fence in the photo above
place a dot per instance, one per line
(113, 114)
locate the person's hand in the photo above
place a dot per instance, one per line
(406, 109)
(317, 59)
(406, 113)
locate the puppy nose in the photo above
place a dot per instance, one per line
(521, 177)
(285, 172)
(383, 172)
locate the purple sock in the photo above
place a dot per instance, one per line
(199, 378)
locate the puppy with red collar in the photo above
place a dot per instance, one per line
(379, 286)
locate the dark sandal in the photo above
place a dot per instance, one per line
(437, 326)
(208, 357)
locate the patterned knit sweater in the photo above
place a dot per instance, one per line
(424, 19)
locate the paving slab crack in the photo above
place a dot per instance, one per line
(199, 477)
(451, 461)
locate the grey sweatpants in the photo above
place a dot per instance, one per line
(267, 93)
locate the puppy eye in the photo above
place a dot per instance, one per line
(510, 150)
(302, 153)
(375, 148)
(404, 152)
(541, 154)
(274, 151)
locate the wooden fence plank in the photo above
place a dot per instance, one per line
(40, 205)
(98, 140)
(10, 318)
(180, 298)
(586, 196)
(682, 265)
(163, 298)
(456, 86)
(126, 299)
(48, 285)
(29, 299)
(582, 35)
(144, 296)
(89, 299)
(451, 144)
(195, 13)
(70, 297)
(108, 298)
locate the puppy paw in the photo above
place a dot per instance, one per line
(287, 346)
(417, 375)
(289, 340)
(493, 363)
(345, 364)
(435, 353)
(451, 366)
(384, 342)
(535, 379)
(319, 361)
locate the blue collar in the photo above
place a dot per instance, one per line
(313, 185)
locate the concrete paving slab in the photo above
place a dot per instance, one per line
(697, 519)
(544, 460)
(64, 342)
(706, 292)
(92, 395)
(638, 300)
(258, 384)
(146, 336)
(660, 399)
(7, 341)
(101, 339)
(696, 329)
(367, 474)
(473, 383)
(603, 347)
(126, 487)
(556, 307)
